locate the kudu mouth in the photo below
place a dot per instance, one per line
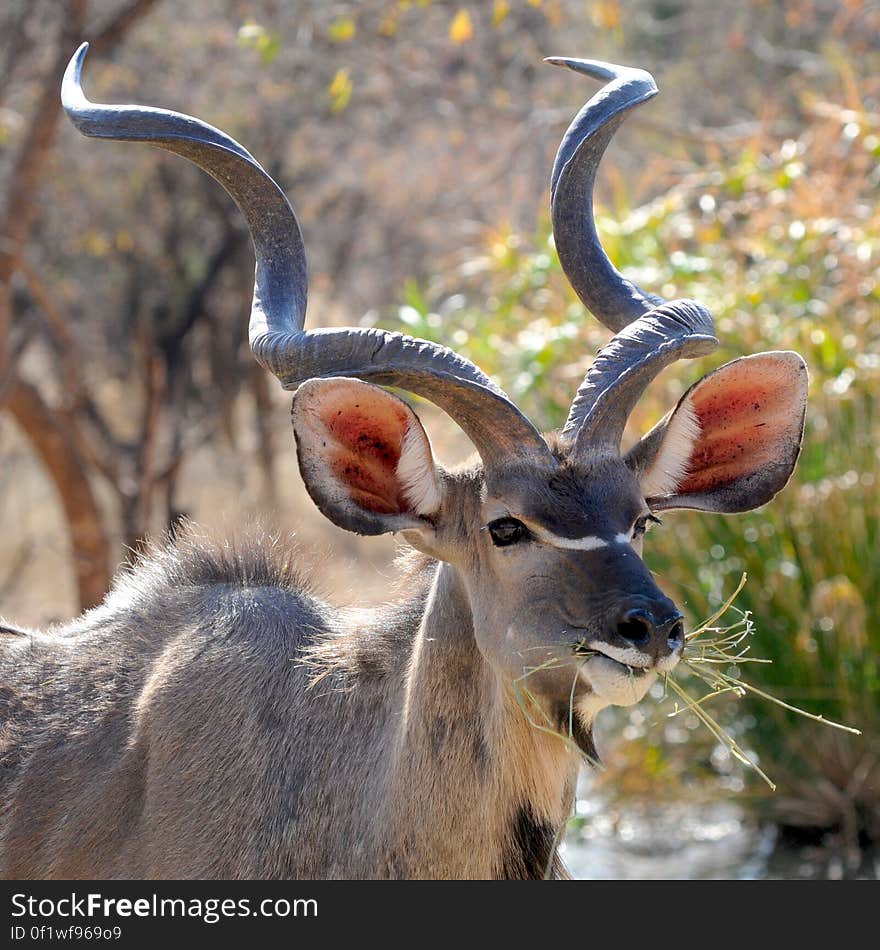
(618, 676)
(632, 659)
(638, 644)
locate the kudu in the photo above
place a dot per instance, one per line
(214, 718)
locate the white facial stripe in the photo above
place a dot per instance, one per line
(589, 543)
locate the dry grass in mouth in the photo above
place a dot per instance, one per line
(714, 652)
(582, 650)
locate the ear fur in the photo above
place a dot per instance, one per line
(732, 441)
(364, 456)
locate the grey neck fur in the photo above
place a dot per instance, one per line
(465, 773)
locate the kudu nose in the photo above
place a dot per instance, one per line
(641, 627)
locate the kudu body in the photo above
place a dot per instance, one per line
(213, 718)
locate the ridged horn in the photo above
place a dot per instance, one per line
(278, 339)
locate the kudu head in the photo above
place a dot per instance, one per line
(546, 533)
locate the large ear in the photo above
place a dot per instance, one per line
(364, 456)
(732, 441)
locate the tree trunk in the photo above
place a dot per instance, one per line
(54, 442)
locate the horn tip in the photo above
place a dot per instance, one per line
(607, 72)
(71, 88)
(78, 57)
(592, 67)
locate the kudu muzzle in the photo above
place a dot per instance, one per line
(630, 613)
(653, 625)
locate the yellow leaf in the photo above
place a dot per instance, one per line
(342, 30)
(340, 90)
(462, 28)
(500, 11)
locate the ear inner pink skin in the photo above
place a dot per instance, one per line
(367, 452)
(740, 421)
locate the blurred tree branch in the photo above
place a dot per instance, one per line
(52, 437)
(19, 206)
(55, 444)
(114, 30)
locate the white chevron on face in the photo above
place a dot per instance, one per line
(588, 543)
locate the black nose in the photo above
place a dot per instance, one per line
(641, 627)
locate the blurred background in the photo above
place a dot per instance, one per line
(415, 139)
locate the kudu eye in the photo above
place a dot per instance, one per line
(506, 531)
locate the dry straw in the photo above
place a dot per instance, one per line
(714, 653)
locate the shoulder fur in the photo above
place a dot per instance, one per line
(215, 571)
(197, 577)
(251, 558)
